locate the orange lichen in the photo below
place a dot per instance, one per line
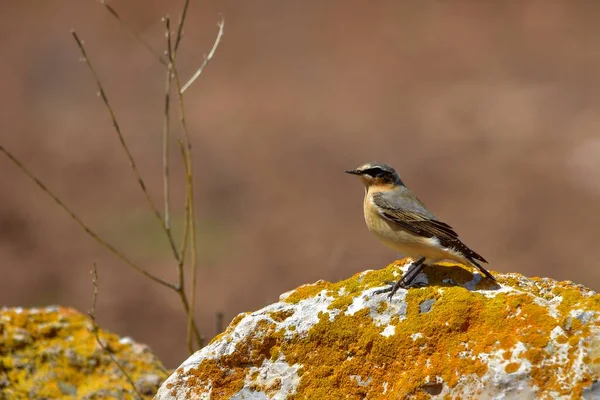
(306, 291)
(281, 315)
(226, 376)
(562, 339)
(427, 352)
(512, 367)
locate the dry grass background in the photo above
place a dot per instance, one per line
(491, 112)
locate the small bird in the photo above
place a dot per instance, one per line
(401, 221)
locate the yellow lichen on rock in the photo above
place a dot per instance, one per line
(52, 353)
(458, 337)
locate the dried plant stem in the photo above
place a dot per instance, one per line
(123, 143)
(134, 34)
(180, 286)
(179, 36)
(190, 225)
(207, 58)
(195, 332)
(166, 127)
(189, 241)
(194, 260)
(96, 330)
(78, 220)
(186, 227)
(184, 246)
(187, 156)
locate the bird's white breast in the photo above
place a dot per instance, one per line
(403, 241)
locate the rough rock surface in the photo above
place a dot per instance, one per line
(459, 337)
(52, 353)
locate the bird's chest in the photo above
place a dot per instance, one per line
(390, 233)
(375, 223)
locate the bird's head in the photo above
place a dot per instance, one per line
(375, 174)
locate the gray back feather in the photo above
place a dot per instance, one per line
(402, 198)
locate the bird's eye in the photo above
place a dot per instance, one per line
(375, 172)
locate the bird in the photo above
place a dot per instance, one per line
(396, 216)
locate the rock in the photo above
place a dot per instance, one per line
(52, 353)
(458, 337)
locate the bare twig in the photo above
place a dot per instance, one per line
(190, 210)
(124, 145)
(96, 330)
(179, 36)
(137, 37)
(194, 261)
(189, 226)
(207, 59)
(189, 235)
(186, 227)
(180, 286)
(166, 126)
(192, 214)
(134, 34)
(87, 229)
(199, 338)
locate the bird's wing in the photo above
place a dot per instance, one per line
(409, 213)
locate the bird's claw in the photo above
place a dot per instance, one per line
(400, 284)
(384, 290)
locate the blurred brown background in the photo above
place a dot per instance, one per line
(491, 113)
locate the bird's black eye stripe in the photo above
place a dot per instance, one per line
(375, 172)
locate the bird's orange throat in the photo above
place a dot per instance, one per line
(375, 187)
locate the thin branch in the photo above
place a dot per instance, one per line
(192, 214)
(180, 288)
(133, 33)
(189, 224)
(87, 229)
(96, 330)
(179, 36)
(186, 307)
(194, 262)
(186, 228)
(124, 145)
(207, 59)
(137, 37)
(192, 329)
(189, 229)
(166, 126)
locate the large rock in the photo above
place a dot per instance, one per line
(458, 337)
(52, 353)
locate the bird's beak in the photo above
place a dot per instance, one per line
(353, 172)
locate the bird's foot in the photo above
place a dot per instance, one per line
(395, 286)
(406, 281)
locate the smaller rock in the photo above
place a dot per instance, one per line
(52, 353)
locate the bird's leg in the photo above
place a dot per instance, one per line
(407, 278)
(412, 272)
(415, 268)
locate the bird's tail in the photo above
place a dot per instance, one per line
(482, 270)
